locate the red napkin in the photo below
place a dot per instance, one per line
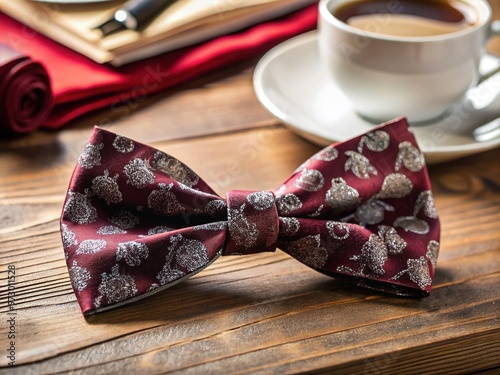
(25, 93)
(80, 85)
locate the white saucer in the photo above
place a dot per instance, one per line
(293, 85)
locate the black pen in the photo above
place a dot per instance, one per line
(133, 15)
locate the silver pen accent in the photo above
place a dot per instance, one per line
(133, 15)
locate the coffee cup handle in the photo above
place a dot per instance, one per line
(481, 104)
(488, 72)
(495, 28)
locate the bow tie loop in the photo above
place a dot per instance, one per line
(253, 222)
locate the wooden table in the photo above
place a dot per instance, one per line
(263, 313)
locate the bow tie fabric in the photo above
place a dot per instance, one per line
(136, 220)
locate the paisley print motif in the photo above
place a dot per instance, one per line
(109, 230)
(395, 185)
(432, 252)
(372, 211)
(310, 180)
(97, 302)
(394, 242)
(426, 201)
(339, 231)
(261, 200)
(90, 156)
(317, 212)
(288, 203)
(123, 145)
(341, 196)
(68, 236)
(288, 226)
(124, 219)
(377, 141)
(138, 173)
(412, 224)
(243, 232)
(164, 202)
(410, 157)
(159, 229)
(419, 272)
(359, 165)
(373, 255)
(91, 246)
(168, 274)
(153, 287)
(190, 254)
(329, 153)
(215, 208)
(79, 276)
(78, 209)
(116, 287)
(376, 251)
(132, 252)
(309, 251)
(220, 225)
(174, 169)
(106, 188)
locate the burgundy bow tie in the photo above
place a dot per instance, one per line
(137, 220)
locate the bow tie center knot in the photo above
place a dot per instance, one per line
(252, 221)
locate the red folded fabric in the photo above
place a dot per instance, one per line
(80, 85)
(25, 92)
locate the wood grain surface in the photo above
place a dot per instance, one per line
(263, 313)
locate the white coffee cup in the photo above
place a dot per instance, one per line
(386, 76)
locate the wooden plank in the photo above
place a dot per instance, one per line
(329, 324)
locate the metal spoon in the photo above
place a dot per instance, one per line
(483, 104)
(487, 132)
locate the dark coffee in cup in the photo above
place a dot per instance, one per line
(413, 18)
